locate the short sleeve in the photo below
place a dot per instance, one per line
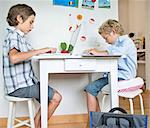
(14, 42)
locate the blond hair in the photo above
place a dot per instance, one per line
(108, 26)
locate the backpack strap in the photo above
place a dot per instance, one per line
(118, 109)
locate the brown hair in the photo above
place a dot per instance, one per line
(110, 25)
(20, 9)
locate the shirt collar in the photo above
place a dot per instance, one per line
(13, 29)
(121, 39)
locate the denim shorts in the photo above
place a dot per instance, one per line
(95, 87)
(32, 92)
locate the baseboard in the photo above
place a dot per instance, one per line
(57, 119)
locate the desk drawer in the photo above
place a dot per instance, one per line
(80, 64)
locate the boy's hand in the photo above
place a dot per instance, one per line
(93, 51)
(53, 50)
(47, 50)
(96, 52)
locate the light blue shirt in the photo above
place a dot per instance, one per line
(127, 64)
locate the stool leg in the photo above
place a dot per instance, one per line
(131, 106)
(141, 104)
(14, 113)
(10, 121)
(103, 101)
(105, 106)
(30, 106)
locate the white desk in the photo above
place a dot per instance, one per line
(74, 64)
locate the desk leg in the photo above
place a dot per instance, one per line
(90, 78)
(114, 99)
(43, 94)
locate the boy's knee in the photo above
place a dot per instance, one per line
(57, 97)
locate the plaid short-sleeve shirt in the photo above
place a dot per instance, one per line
(21, 74)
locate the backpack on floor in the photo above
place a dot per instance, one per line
(120, 119)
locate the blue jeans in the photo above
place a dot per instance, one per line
(95, 87)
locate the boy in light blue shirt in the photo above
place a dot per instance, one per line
(121, 44)
(127, 64)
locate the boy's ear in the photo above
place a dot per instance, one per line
(19, 19)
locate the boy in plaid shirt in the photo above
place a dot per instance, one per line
(19, 78)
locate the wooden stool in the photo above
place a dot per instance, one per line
(130, 92)
(11, 117)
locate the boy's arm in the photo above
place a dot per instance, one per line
(17, 56)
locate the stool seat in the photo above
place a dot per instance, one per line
(130, 85)
(106, 89)
(125, 85)
(130, 94)
(12, 98)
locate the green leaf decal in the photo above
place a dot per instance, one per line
(70, 48)
(63, 45)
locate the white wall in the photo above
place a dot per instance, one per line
(136, 21)
(123, 14)
(50, 29)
